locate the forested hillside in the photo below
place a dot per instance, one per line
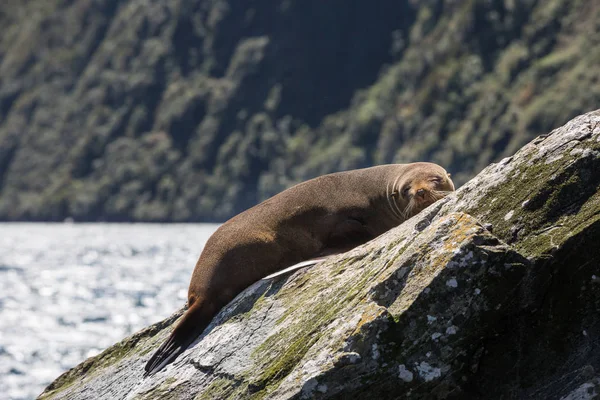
(193, 110)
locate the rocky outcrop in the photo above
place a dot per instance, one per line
(492, 292)
(193, 110)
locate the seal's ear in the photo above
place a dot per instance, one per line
(449, 174)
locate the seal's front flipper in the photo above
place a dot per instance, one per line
(348, 233)
(307, 263)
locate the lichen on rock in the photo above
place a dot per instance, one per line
(492, 292)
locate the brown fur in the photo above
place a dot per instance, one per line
(325, 215)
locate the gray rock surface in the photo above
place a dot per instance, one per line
(492, 292)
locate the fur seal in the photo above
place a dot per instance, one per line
(323, 216)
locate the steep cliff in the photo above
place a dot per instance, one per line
(189, 110)
(490, 293)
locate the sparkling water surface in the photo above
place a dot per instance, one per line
(68, 291)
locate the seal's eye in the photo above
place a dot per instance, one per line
(405, 191)
(436, 180)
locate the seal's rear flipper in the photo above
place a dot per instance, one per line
(193, 323)
(294, 267)
(166, 353)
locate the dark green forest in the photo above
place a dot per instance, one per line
(194, 110)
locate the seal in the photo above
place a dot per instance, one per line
(326, 215)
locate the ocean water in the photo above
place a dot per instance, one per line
(68, 291)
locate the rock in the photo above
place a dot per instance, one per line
(439, 307)
(589, 390)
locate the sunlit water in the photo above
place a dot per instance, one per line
(68, 291)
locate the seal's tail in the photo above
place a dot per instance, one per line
(194, 321)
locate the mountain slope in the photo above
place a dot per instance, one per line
(195, 110)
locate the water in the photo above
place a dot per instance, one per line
(68, 291)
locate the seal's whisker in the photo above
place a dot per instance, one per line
(409, 209)
(397, 190)
(391, 201)
(435, 195)
(403, 212)
(397, 207)
(397, 211)
(440, 194)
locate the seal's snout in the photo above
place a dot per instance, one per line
(422, 195)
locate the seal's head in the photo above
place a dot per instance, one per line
(418, 187)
